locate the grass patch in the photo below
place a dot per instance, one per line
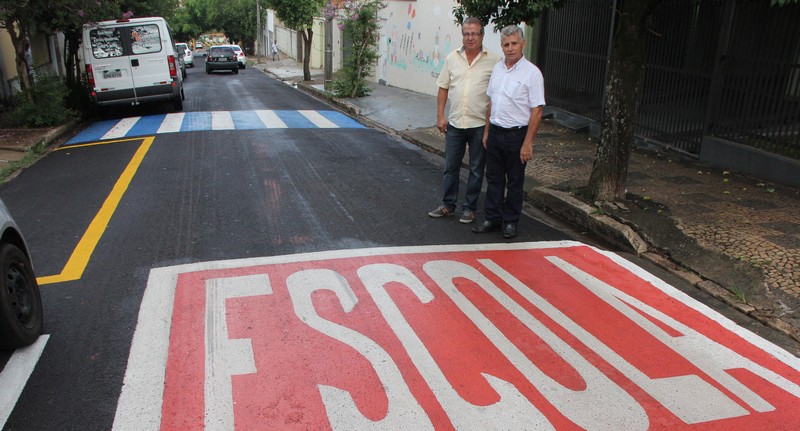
(31, 155)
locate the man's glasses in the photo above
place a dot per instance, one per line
(473, 34)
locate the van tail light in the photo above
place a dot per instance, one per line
(90, 75)
(173, 67)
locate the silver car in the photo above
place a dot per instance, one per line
(21, 314)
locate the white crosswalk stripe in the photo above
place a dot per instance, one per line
(221, 120)
(122, 128)
(270, 119)
(318, 120)
(172, 123)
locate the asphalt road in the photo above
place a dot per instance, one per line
(196, 197)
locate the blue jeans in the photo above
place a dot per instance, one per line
(456, 143)
(505, 175)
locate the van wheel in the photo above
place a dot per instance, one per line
(20, 300)
(183, 74)
(179, 103)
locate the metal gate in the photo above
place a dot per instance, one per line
(723, 68)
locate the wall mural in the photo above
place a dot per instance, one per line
(409, 49)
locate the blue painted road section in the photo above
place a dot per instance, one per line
(202, 121)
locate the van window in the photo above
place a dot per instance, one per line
(106, 42)
(145, 39)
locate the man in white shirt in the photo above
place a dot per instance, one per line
(516, 90)
(463, 80)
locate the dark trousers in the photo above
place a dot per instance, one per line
(505, 174)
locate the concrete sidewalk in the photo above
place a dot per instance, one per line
(731, 235)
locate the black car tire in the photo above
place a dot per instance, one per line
(21, 315)
(178, 102)
(208, 71)
(236, 71)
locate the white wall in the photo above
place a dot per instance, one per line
(415, 39)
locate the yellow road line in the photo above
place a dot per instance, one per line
(83, 251)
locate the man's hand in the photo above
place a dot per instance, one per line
(526, 152)
(441, 124)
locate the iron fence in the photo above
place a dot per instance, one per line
(723, 68)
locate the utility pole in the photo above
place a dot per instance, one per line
(329, 45)
(259, 32)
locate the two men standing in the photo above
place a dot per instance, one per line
(512, 103)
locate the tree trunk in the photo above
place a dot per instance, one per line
(18, 41)
(71, 62)
(308, 35)
(621, 102)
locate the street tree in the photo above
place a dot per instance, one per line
(360, 24)
(299, 15)
(234, 18)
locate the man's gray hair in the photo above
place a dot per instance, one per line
(472, 20)
(512, 29)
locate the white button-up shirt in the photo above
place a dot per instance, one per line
(514, 92)
(466, 85)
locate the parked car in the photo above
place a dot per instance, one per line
(221, 58)
(188, 56)
(132, 61)
(21, 313)
(240, 57)
(198, 45)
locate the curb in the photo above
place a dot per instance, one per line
(619, 234)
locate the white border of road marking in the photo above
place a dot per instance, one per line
(121, 128)
(16, 374)
(140, 402)
(318, 120)
(271, 119)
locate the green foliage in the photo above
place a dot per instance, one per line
(359, 21)
(296, 14)
(503, 12)
(48, 108)
(235, 18)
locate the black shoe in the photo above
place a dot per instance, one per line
(486, 226)
(509, 230)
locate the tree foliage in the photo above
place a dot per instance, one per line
(299, 15)
(360, 24)
(236, 19)
(503, 12)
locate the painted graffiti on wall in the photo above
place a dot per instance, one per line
(417, 42)
(407, 48)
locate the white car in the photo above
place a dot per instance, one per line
(240, 57)
(188, 56)
(20, 301)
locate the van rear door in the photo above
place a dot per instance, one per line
(149, 58)
(111, 67)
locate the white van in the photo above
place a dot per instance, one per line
(131, 61)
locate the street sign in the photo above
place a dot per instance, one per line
(535, 336)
